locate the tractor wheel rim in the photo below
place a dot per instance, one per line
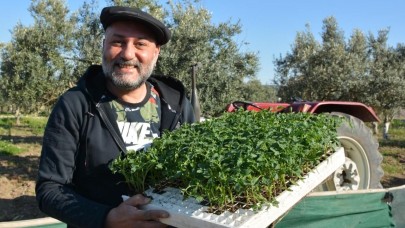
(355, 173)
(346, 177)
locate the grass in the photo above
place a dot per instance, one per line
(15, 139)
(9, 148)
(28, 126)
(35, 124)
(5, 125)
(393, 149)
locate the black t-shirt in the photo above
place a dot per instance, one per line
(139, 123)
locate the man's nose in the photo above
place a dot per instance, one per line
(128, 52)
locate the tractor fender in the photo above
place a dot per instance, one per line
(356, 109)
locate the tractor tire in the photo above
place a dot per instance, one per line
(362, 169)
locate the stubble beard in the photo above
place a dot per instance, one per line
(121, 80)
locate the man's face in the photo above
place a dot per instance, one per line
(129, 54)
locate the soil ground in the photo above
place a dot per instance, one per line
(18, 174)
(17, 185)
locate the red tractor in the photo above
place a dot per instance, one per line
(362, 168)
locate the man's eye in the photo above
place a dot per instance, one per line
(141, 44)
(116, 43)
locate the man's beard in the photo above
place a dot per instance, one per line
(119, 79)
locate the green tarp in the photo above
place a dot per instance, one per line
(56, 225)
(340, 210)
(365, 208)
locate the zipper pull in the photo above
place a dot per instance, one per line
(99, 103)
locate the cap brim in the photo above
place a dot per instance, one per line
(109, 15)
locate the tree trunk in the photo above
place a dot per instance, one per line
(375, 128)
(388, 117)
(17, 116)
(385, 130)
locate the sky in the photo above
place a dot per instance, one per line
(269, 27)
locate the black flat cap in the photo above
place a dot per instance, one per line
(112, 14)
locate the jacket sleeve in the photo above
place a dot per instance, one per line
(55, 192)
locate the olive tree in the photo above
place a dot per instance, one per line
(357, 62)
(88, 37)
(313, 70)
(296, 77)
(197, 40)
(363, 69)
(34, 68)
(387, 84)
(46, 58)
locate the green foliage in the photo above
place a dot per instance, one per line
(45, 59)
(88, 37)
(393, 150)
(31, 125)
(243, 158)
(34, 68)
(35, 124)
(397, 123)
(195, 39)
(387, 76)
(9, 148)
(6, 123)
(316, 71)
(363, 69)
(150, 6)
(253, 90)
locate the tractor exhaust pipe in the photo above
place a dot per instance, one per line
(194, 95)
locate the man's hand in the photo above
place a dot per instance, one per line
(127, 214)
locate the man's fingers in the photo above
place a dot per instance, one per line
(151, 215)
(137, 200)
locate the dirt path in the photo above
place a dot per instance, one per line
(17, 186)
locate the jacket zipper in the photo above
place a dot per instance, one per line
(114, 134)
(175, 121)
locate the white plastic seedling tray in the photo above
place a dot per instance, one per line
(189, 213)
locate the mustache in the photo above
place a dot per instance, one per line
(123, 63)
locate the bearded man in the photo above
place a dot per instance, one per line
(114, 108)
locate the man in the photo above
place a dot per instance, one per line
(114, 108)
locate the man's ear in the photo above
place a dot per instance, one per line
(157, 51)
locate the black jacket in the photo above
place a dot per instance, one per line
(81, 138)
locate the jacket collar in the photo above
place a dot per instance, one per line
(170, 89)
